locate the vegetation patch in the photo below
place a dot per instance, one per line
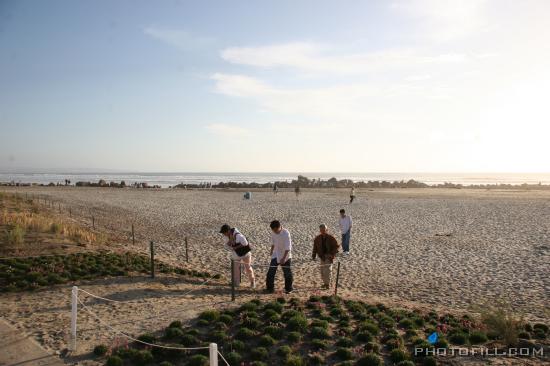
(305, 337)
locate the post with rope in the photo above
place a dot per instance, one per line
(337, 279)
(186, 250)
(152, 250)
(232, 280)
(93, 222)
(74, 308)
(133, 235)
(213, 348)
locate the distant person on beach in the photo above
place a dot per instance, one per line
(240, 253)
(281, 255)
(325, 247)
(345, 228)
(297, 191)
(275, 188)
(352, 195)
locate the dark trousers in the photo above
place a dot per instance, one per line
(287, 271)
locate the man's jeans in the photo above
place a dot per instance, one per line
(345, 241)
(287, 271)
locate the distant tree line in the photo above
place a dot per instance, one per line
(301, 181)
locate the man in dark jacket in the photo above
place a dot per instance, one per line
(325, 246)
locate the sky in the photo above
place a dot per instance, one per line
(288, 86)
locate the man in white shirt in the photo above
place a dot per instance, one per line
(281, 255)
(345, 228)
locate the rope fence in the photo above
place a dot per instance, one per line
(76, 302)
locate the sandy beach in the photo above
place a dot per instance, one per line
(429, 248)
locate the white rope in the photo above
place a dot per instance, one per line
(132, 338)
(292, 266)
(123, 302)
(223, 358)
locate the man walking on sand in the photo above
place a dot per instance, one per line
(345, 228)
(325, 246)
(240, 253)
(281, 255)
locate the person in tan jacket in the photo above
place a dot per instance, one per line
(325, 247)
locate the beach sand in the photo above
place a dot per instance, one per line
(450, 250)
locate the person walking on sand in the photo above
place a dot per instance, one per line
(325, 247)
(352, 195)
(281, 255)
(345, 228)
(241, 254)
(297, 191)
(275, 188)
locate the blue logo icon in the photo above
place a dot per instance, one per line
(432, 339)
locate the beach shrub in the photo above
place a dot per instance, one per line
(114, 361)
(175, 324)
(266, 341)
(142, 358)
(245, 334)
(477, 337)
(319, 333)
(344, 342)
(297, 323)
(274, 331)
(429, 361)
(252, 323)
(294, 360)
(372, 347)
(344, 353)
(524, 335)
(100, 350)
(147, 338)
(393, 344)
(364, 336)
(166, 363)
(405, 363)
(274, 305)
(369, 360)
(294, 337)
(248, 306)
(189, 340)
(458, 338)
(319, 323)
(316, 359)
(15, 235)
(55, 228)
(281, 300)
(210, 315)
(397, 355)
(226, 319)
(233, 358)
(284, 351)
(541, 326)
(259, 353)
(318, 344)
(441, 343)
(198, 360)
(172, 333)
(406, 323)
(501, 324)
(539, 333)
(237, 345)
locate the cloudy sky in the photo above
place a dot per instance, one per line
(340, 86)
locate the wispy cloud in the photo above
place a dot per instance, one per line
(311, 57)
(178, 38)
(227, 130)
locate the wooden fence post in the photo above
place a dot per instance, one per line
(152, 249)
(133, 235)
(337, 279)
(186, 250)
(232, 280)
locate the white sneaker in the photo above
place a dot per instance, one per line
(346, 253)
(253, 285)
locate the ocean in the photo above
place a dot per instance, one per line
(170, 179)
